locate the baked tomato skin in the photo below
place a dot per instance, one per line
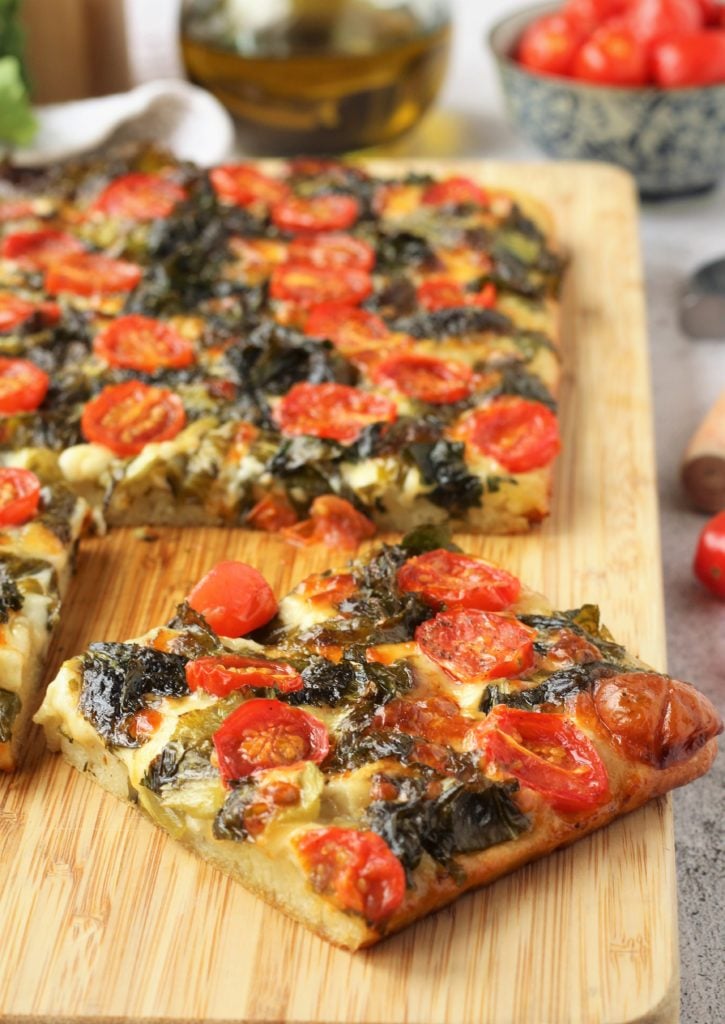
(39, 248)
(225, 673)
(126, 417)
(318, 213)
(234, 598)
(709, 564)
(90, 273)
(357, 870)
(244, 185)
(332, 251)
(14, 312)
(473, 646)
(546, 753)
(519, 434)
(334, 522)
(455, 191)
(306, 284)
(440, 292)
(425, 377)
(334, 411)
(456, 580)
(23, 386)
(142, 343)
(697, 59)
(264, 734)
(360, 335)
(139, 196)
(19, 496)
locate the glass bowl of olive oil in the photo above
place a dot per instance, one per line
(318, 76)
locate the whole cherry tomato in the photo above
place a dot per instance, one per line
(656, 19)
(234, 598)
(697, 59)
(709, 562)
(19, 495)
(549, 45)
(589, 14)
(612, 55)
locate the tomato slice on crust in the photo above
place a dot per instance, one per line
(226, 673)
(424, 377)
(234, 598)
(334, 522)
(473, 646)
(358, 334)
(519, 434)
(126, 417)
(327, 589)
(23, 386)
(19, 496)
(268, 734)
(440, 292)
(546, 753)
(144, 344)
(335, 411)
(456, 580)
(271, 513)
(14, 311)
(90, 273)
(39, 248)
(456, 191)
(306, 285)
(139, 196)
(318, 213)
(334, 250)
(357, 870)
(244, 185)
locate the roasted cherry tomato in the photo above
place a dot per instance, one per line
(709, 565)
(612, 55)
(358, 334)
(23, 386)
(19, 496)
(697, 59)
(306, 285)
(318, 213)
(244, 185)
(268, 734)
(14, 311)
(546, 753)
(519, 434)
(144, 344)
(39, 248)
(333, 250)
(549, 45)
(334, 522)
(225, 673)
(271, 513)
(456, 580)
(473, 646)
(90, 273)
(356, 870)
(331, 410)
(126, 417)
(456, 191)
(424, 377)
(440, 292)
(327, 589)
(652, 20)
(234, 598)
(436, 718)
(139, 196)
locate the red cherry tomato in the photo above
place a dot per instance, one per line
(424, 377)
(440, 292)
(142, 343)
(319, 213)
(473, 646)
(23, 386)
(360, 336)
(244, 185)
(234, 598)
(546, 753)
(457, 191)
(39, 248)
(306, 285)
(14, 311)
(456, 580)
(486, 298)
(519, 434)
(226, 673)
(437, 719)
(587, 15)
(126, 417)
(19, 496)
(356, 870)
(271, 513)
(709, 565)
(612, 55)
(334, 522)
(334, 411)
(651, 20)
(326, 589)
(139, 196)
(697, 59)
(549, 45)
(713, 12)
(268, 734)
(332, 251)
(90, 273)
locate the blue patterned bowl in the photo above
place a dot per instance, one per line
(671, 140)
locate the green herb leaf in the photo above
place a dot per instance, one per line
(17, 122)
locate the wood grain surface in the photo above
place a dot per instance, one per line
(104, 917)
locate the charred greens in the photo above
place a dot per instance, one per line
(9, 711)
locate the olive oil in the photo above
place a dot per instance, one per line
(317, 76)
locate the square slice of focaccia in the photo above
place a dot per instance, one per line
(403, 730)
(232, 346)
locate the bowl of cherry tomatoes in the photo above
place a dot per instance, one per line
(638, 83)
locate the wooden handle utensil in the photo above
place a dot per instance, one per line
(703, 467)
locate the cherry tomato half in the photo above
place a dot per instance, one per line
(226, 673)
(334, 250)
(697, 59)
(456, 580)
(244, 185)
(318, 213)
(90, 273)
(306, 285)
(23, 386)
(546, 753)
(271, 513)
(709, 564)
(126, 417)
(360, 335)
(268, 734)
(440, 292)
(521, 435)
(356, 870)
(473, 646)
(549, 45)
(39, 248)
(234, 598)
(139, 196)
(457, 191)
(142, 343)
(327, 589)
(19, 496)
(14, 311)
(334, 522)
(424, 377)
(612, 55)
(335, 411)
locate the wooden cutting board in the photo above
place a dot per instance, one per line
(104, 917)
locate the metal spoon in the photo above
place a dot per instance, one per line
(702, 304)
